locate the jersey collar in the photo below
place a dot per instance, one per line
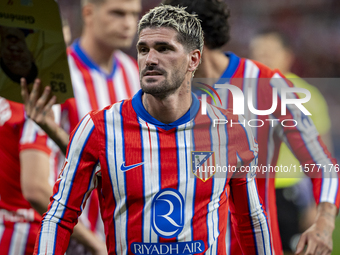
(88, 62)
(234, 62)
(142, 113)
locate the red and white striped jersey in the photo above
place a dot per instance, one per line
(303, 139)
(93, 90)
(151, 202)
(19, 222)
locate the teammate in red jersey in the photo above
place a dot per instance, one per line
(101, 73)
(138, 153)
(303, 139)
(23, 151)
(27, 176)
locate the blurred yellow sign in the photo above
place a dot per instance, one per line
(32, 46)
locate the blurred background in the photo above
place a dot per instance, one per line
(312, 26)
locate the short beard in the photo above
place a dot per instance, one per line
(166, 87)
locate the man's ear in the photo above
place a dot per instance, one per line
(87, 13)
(194, 60)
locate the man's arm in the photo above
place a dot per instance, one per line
(77, 180)
(34, 175)
(86, 237)
(319, 236)
(248, 217)
(308, 148)
(35, 184)
(34, 178)
(37, 190)
(247, 213)
(40, 111)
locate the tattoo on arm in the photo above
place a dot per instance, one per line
(328, 215)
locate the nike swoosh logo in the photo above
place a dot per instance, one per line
(125, 168)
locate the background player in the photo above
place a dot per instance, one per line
(23, 152)
(101, 73)
(303, 140)
(295, 203)
(169, 50)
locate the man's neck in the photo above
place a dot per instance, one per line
(214, 63)
(97, 52)
(170, 108)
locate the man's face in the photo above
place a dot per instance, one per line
(114, 22)
(162, 61)
(14, 51)
(269, 50)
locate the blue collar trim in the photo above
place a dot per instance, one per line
(141, 112)
(234, 62)
(88, 62)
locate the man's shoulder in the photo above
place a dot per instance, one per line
(260, 70)
(221, 113)
(115, 108)
(123, 56)
(126, 61)
(226, 112)
(70, 50)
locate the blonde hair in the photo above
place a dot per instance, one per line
(187, 25)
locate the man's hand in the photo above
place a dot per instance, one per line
(40, 111)
(89, 240)
(100, 248)
(318, 237)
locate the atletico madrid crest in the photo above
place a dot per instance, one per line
(203, 164)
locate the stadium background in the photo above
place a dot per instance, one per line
(313, 27)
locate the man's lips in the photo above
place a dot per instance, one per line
(152, 73)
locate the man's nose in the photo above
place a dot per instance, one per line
(152, 57)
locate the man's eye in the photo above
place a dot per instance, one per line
(161, 49)
(142, 50)
(117, 13)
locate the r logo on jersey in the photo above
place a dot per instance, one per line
(167, 213)
(203, 164)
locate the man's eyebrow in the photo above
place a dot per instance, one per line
(160, 43)
(141, 44)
